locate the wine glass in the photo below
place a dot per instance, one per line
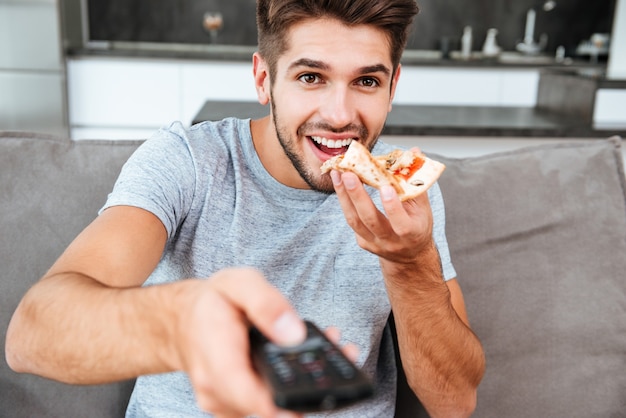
(212, 22)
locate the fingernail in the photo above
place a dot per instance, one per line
(336, 177)
(387, 193)
(289, 329)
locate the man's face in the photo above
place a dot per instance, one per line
(332, 86)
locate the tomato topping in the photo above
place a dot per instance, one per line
(407, 172)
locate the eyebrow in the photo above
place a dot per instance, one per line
(310, 63)
(378, 68)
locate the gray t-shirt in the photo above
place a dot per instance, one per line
(221, 208)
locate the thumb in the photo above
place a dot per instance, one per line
(288, 329)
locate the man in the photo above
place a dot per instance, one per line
(227, 224)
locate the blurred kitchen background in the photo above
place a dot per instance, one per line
(566, 22)
(119, 69)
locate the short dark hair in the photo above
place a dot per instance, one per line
(275, 18)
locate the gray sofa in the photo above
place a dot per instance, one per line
(538, 237)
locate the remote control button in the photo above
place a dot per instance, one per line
(284, 372)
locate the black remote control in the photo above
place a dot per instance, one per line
(311, 377)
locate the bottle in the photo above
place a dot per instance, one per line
(466, 43)
(560, 54)
(490, 47)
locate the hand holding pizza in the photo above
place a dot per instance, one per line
(402, 177)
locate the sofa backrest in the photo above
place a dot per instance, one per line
(50, 189)
(538, 238)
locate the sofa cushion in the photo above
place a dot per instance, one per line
(538, 238)
(50, 189)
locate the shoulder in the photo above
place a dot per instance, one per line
(199, 144)
(210, 136)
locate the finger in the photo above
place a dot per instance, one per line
(347, 205)
(359, 210)
(333, 334)
(340, 189)
(262, 304)
(404, 217)
(367, 212)
(394, 209)
(351, 351)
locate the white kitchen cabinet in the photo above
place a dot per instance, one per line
(444, 86)
(610, 108)
(519, 87)
(118, 93)
(462, 86)
(127, 97)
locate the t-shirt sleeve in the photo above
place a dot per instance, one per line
(439, 231)
(160, 178)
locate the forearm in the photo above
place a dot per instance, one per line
(74, 329)
(442, 358)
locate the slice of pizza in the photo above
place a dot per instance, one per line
(410, 173)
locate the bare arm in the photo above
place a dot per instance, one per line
(442, 358)
(89, 321)
(87, 300)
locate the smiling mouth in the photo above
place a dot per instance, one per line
(331, 146)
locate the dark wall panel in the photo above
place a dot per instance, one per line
(570, 22)
(180, 21)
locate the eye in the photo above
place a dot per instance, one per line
(368, 82)
(309, 78)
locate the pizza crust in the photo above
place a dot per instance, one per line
(373, 170)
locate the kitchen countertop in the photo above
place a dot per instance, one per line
(447, 120)
(244, 53)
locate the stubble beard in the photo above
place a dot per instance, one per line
(312, 177)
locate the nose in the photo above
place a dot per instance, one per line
(338, 107)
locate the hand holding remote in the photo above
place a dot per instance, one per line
(211, 344)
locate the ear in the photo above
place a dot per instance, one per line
(394, 84)
(261, 78)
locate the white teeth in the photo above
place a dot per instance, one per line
(332, 143)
